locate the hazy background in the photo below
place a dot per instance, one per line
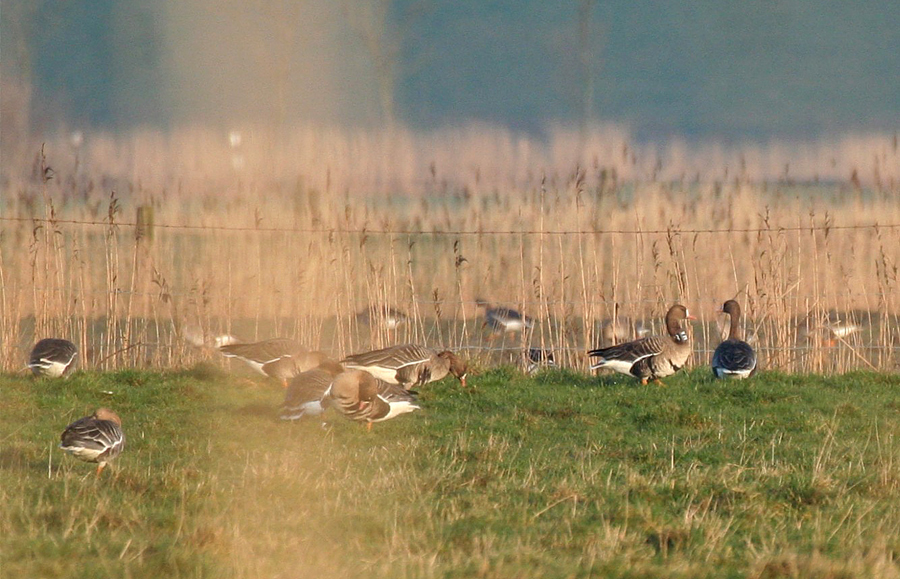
(698, 69)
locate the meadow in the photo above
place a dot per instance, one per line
(558, 475)
(133, 246)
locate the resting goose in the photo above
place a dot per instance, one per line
(361, 397)
(501, 319)
(734, 358)
(653, 357)
(306, 390)
(408, 365)
(52, 357)
(95, 438)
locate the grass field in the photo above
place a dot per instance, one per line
(560, 475)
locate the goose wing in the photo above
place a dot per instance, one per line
(631, 352)
(394, 357)
(734, 357)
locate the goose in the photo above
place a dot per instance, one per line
(390, 318)
(195, 336)
(501, 319)
(287, 367)
(306, 390)
(275, 358)
(733, 358)
(535, 358)
(95, 438)
(620, 328)
(361, 397)
(826, 332)
(652, 357)
(408, 365)
(52, 357)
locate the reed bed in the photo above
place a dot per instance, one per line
(232, 238)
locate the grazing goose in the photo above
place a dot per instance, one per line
(652, 357)
(390, 318)
(408, 365)
(734, 358)
(52, 357)
(502, 319)
(95, 438)
(273, 358)
(307, 389)
(285, 368)
(361, 397)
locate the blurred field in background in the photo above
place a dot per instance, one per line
(258, 235)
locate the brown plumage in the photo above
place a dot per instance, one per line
(361, 397)
(653, 357)
(306, 390)
(96, 438)
(408, 365)
(52, 357)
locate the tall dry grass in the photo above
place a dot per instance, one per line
(296, 236)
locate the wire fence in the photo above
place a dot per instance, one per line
(130, 291)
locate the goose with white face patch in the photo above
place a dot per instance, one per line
(653, 357)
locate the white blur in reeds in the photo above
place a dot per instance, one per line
(256, 237)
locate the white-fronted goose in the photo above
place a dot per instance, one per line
(501, 319)
(733, 358)
(52, 357)
(388, 317)
(361, 397)
(95, 438)
(306, 390)
(408, 365)
(653, 357)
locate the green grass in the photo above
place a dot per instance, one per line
(561, 475)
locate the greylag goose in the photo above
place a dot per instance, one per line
(733, 358)
(501, 319)
(52, 357)
(287, 367)
(390, 318)
(361, 397)
(95, 438)
(408, 365)
(652, 357)
(306, 390)
(279, 358)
